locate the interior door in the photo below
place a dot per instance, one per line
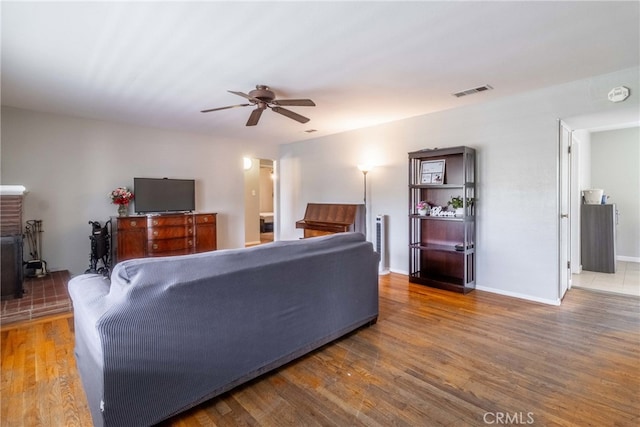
(564, 207)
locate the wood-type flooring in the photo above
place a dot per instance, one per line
(434, 358)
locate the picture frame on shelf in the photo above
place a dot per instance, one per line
(432, 171)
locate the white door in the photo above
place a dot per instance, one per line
(564, 207)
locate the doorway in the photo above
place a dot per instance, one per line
(259, 201)
(598, 162)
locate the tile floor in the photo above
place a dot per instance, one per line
(43, 296)
(626, 279)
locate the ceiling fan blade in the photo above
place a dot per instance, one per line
(244, 95)
(295, 102)
(225, 108)
(254, 117)
(290, 114)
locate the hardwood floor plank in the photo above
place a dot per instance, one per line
(44, 389)
(434, 358)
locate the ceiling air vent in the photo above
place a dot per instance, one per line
(472, 91)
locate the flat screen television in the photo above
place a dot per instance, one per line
(157, 195)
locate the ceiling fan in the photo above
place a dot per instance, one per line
(263, 97)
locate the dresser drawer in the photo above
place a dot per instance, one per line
(205, 219)
(170, 245)
(161, 221)
(132, 222)
(169, 232)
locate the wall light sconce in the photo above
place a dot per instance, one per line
(247, 162)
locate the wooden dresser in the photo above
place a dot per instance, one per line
(162, 235)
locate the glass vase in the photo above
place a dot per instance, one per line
(123, 209)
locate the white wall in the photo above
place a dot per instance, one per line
(615, 167)
(69, 165)
(517, 148)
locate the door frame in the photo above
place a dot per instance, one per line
(565, 214)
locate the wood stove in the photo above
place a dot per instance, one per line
(12, 244)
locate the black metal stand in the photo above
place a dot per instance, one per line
(100, 248)
(36, 266)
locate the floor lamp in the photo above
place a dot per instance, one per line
(365, 169)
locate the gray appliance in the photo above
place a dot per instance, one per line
(598, 237)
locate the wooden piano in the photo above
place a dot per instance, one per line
(328, 218)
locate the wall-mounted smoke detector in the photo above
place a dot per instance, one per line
(472, 91)
(619, 94)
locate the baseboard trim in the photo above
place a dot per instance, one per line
(501, 292)
(518, 295)
(627, 258)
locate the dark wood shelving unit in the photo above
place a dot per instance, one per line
(442, 250)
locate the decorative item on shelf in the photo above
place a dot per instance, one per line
(456, 203)
(432, 171)
(422, 207)
(121, 196)
(437, 211)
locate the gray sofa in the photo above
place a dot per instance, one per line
(165, 334)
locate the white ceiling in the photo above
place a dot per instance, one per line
(159, 63)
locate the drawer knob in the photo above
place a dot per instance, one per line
(155, 232)
(133, 223)
(190, 220)
(206, 219)
(190, 231)
(155, 246)
(190, 243)
(155, 222)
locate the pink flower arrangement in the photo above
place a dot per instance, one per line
(121, 196)
(422, 205)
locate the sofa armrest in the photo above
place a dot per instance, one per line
(89, 296)
(88, 292)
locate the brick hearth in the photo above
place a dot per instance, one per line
(43, 296)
